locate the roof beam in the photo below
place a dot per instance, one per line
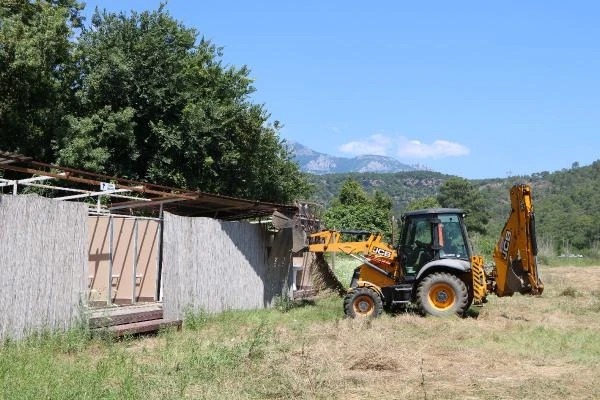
(143, 203)
(178, 201)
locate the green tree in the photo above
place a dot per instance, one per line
(460, 193)
(137, 95)
(423, 202)
(352, 193)
(354, 209)
(155, 103)
(36, 39)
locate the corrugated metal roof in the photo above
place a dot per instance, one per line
(151, 197)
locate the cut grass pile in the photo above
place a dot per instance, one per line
(513, 348)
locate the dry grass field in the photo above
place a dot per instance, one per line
(513, 348)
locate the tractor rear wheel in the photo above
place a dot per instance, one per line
(363, 302)
(441, 294)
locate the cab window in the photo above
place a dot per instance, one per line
(453, 243)
(417, 244)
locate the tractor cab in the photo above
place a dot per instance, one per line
(432, 234)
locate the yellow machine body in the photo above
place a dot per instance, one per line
(447, 281)
(515, 253)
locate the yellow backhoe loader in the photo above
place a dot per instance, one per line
(432, 266)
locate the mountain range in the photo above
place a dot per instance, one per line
(318, 163)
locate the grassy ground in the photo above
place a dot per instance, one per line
(513, 348)
(343, 266)
(556, 261)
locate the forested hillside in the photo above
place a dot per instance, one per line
(567, 202)
(567, 205)
(402, 187)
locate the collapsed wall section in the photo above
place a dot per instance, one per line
(43, 264)
(214, 265)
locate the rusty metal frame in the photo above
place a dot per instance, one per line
(131, 196)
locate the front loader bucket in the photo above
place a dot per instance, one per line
(282, 221)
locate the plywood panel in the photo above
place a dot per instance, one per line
(99, 257)
(148, 246)
(122, 268)
(123, 250)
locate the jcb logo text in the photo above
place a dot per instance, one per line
(506, 244)
(382, 252)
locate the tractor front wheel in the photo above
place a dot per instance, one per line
(363, 302)
(441, 294)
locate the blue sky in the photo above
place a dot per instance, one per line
(470, 88)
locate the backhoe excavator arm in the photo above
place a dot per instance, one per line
(515, 253)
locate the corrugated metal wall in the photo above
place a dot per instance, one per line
(43, 262)
(215, 265)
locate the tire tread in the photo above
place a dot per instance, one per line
(462, 294)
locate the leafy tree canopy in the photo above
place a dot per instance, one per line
(423, 202)
(460, 193)
(138, 95)
(354, 209)
(352, 194)
(35, 57)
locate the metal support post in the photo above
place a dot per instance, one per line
(135, 259)
(110, 260)
(161, 221)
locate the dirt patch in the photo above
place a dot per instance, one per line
(368, 363)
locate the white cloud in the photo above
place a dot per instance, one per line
(379, 145)
(438, 149)
(404, 148)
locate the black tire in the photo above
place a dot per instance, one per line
(442, 294)
(469, 300)
(363, 302)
